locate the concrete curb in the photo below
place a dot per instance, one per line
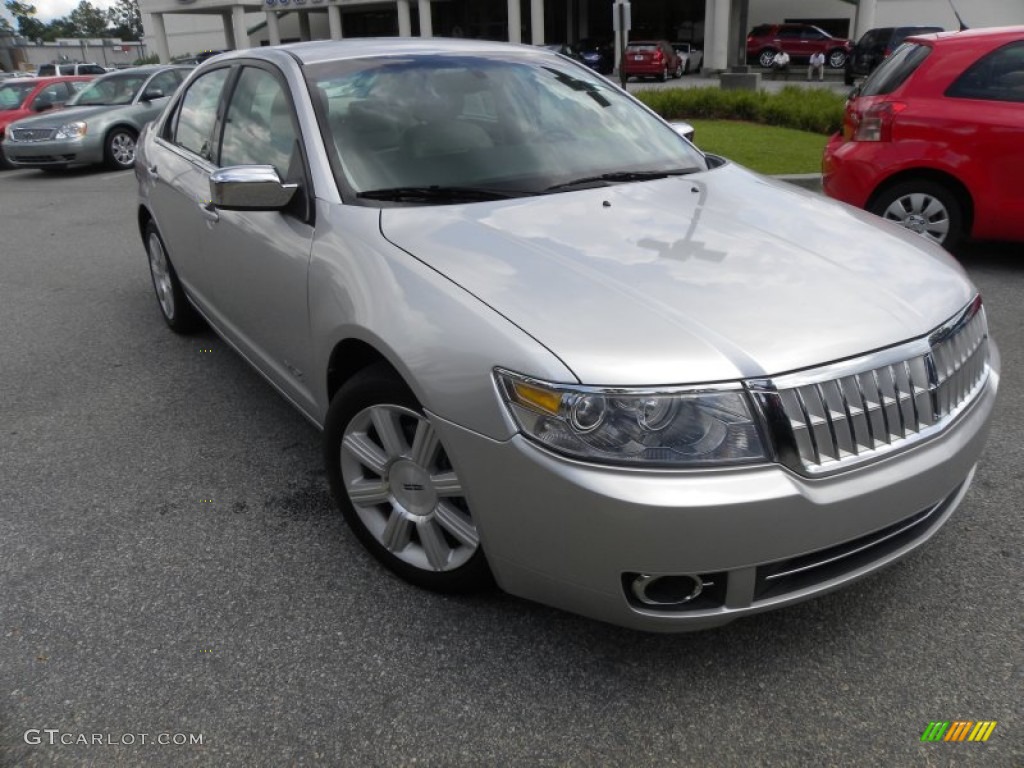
(811, 181)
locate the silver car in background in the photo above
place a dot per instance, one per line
(552, 344)
(100, 124)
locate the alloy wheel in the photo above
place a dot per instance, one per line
(404, 490)
(161, 270)
(921, 213)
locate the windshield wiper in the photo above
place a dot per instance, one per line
(436, 193)
(618, 177)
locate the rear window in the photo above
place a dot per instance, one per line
(895, 70)
(47, 70)
(642, 47)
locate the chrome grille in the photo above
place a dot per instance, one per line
(829, 418)
(32, 134)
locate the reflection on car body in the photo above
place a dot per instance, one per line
(550, 343)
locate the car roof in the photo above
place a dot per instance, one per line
(991, 35)
(50, 79)
(355, 48)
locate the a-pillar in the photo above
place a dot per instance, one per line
(156, 24)
(404, 19)
(537, 22)
(304, 30)
(515, 22)
(273, 28)
(426, 22)
(334, 21)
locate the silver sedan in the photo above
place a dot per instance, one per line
(100, 124)
(550, 343)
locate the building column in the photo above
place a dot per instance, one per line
(426, 22)
(404, 19)
(163, 51)
(865, 18)
(717, 14)
(584, 28)
(241, 30)
(229, 32)
(537, 22)
(273, 28)
(305, 34)
(515, 22)
(334, 21)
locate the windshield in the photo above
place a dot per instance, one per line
(109, 91)
(13, 94)
(512, 124)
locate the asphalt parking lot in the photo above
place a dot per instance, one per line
(171, 567)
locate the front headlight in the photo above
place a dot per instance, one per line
(676, 427)
(71, 130)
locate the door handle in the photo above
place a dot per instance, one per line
(209, 212)
(151, 170)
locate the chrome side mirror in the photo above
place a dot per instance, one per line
(683, 129)
(249, 188)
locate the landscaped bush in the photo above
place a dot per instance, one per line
(804, 109)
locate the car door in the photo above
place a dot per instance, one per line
(255, 263)
(986, 104)
(178, 168)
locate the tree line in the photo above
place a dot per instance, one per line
(123, 20)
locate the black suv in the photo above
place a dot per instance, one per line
(875, 45)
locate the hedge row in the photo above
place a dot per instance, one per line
(805, 109)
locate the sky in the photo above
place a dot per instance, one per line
(47, 10)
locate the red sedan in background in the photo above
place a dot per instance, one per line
(24, 97)
(934, 139)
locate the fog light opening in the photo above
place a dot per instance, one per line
(667, 590)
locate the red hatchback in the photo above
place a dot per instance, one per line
(652, 58)
(934, 138)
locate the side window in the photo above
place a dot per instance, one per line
(77, 85)
(163, 84)
(789, 33)
(197, 114)
(996, 77)
(51, 94)
(260, 128)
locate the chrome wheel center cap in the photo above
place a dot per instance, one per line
(916, 223)
(410, 485)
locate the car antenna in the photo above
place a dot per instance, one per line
(955, 13)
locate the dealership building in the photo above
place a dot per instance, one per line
(180, 27)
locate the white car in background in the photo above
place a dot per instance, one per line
(692, 58)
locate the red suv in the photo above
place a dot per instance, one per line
(800, 41)
(652, 58)
(22, 97)
(933, 138)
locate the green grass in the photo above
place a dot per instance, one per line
(764, 148)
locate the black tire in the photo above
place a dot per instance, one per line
(119, 149)
(402, 487)
(836, 58)
(180, 316)
(765, 57)
(926, 207)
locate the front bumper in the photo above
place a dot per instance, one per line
(572, 535)
(54, 152)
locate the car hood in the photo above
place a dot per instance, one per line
(710, 277)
